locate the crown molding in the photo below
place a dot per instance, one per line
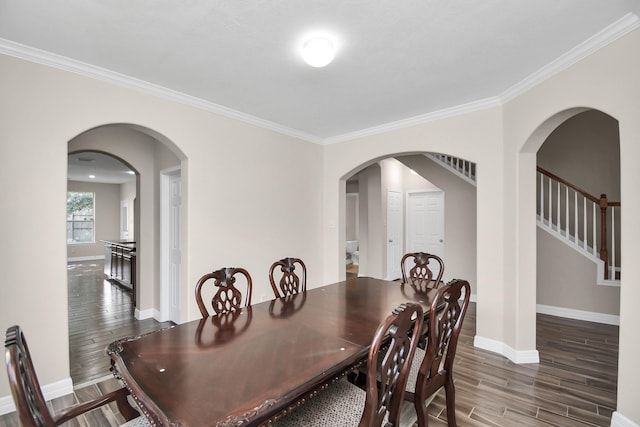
(60, 62)
(613, 32)
(418, 120)
(624, 25)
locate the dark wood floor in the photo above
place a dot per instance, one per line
(573, 385)
(100, 312)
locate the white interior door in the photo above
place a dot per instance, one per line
(425, 223)
(394, 234)
(171, 263)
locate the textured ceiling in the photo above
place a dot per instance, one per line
(395, 59)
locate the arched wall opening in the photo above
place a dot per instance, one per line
(578, 197)
(148, 153)
(576, 293)
(406, 174)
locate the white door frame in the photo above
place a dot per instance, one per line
(407, 213)
(395, 264)
(165, 242)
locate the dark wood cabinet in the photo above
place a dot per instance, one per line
(120, 264)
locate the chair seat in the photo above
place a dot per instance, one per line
(339, 405)
(137, 422)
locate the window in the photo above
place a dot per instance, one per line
(80, 217)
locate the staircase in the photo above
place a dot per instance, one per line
(588, 224)
(460, 167)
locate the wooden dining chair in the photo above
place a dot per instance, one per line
(432, 368)
(227, 297)
(290, 282)
(389, 360)
(27, 395)
(421, 274)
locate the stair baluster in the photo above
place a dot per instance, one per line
(551, 218)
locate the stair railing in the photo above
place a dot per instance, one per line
(588, 228)
(463, 168)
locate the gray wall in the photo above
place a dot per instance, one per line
(566, 279)
(370, 222)
(585, 150)
(351, 216)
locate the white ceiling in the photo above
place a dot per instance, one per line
(395, 59)
(104, 168)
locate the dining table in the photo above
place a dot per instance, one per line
(253, 365)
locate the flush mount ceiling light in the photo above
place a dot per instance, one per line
(318, 52)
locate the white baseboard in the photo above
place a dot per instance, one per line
(85, 258)
(569, 313)
(149, 313)
(532, 356)
(50, 391)
(6, 405)
(526, 356)
(519, 357)
(619, 420)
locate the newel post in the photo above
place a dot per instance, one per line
(604, 254)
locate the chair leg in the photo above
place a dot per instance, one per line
(421, 410)
(126, 410)
(450, 398)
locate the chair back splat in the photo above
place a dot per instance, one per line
(436, 369)
(421, 274)
(391, 368)
(227, 296)
(27, 395)
(291, 282)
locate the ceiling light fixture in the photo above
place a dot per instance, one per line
(92, 176)
(318, 52)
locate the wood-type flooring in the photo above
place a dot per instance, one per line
(573, 385)
(100, 312)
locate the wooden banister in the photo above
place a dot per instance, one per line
(602, 202)
(594, 199)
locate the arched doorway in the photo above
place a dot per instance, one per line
(578, 212)
(148, 154)
(576, 153)
(407, 173)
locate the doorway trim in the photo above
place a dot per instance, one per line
(393, 259)
(166, 241)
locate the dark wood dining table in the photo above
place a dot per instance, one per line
(248, 367)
